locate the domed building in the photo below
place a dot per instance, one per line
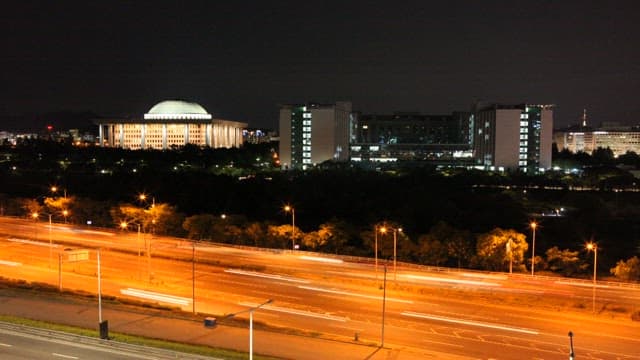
(170, 124)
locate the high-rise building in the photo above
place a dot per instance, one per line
(169, 124)
(313, 133)
(513, 137)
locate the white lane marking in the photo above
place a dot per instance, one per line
(469, 322)
(442, 343)
(581, 284)
(455, 281)
(10, 263)
(341, 292)
(5, 345)
(267, 276)
(171, 299)
(31, 242)
(297, 312)
(321, 259)
(64, 356)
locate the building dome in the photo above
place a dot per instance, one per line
(177, 107)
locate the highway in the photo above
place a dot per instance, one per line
(21, 342)
(470, 314)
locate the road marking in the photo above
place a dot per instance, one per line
(581, 284)
(5, 345)
(171, 299)
(455, 281)
(267, 276)
(470, 322)
(321, 259)
(297, 312)
(64, 356)
(442, 343)
(10, 263)
(342, 292)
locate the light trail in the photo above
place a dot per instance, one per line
(589, 285)
(469, 322)
(266, 276)
(171, 299)
(486, 276)
(32, 242)
(447, 280)
(297, 312)
(10, 263)
(342, 292)
(321, 259)
(64, 356)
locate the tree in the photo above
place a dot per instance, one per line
(566, 262)
(430, 250)
(199, 227)
(458, 243)
(500, 247)
(627, 270)
(254, 232)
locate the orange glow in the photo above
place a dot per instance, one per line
(288, 208)
(383, 230)
(35, 215)
(534, 225)
(124, 225)
(591, 246)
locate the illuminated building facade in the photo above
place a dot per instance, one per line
(619, 139)
(513, 137)
(313, 133)
(412, 137)
(171, 124)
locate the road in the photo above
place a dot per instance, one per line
(471, 314)
(20, 342)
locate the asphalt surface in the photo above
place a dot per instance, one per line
(181, 328)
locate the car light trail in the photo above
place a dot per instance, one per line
(455, 281)
(469, 322)
(10, 263)
(267, 276)
(485, 276)
(31, 242)
(298, 312)
(321, 259)
(342, 292)
(589, 285)
(171, 299)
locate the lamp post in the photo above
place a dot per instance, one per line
(193, 275)
(383, 230)
(289, 208)
(592, 246)
(125, 225)
(510, 250)
(534, 225)
(395, 246)
(50, 241)
(251, 310)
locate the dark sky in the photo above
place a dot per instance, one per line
(240, 59)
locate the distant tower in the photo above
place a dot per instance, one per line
(584, 118)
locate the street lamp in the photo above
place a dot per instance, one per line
(383, 230)
(124, 226)
(592, 246)
(510, 250)
(533, 225)
(289, 208)
(251, 310)
(395, 246)
(65, 213)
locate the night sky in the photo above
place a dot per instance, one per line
(240, 59)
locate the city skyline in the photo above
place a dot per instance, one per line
(242, 61)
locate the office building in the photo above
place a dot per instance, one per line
(313, 133)
(620, 139)
(513, 137)
(170, 124)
